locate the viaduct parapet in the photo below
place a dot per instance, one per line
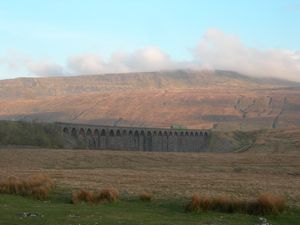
(137, 138)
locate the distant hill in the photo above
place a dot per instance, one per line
(200, 99)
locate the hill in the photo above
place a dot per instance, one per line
(223, 100)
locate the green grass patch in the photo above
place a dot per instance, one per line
(15, 210)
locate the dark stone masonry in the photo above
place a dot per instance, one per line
(137, 138)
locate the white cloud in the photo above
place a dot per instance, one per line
(216, 50)
(146, 59)
(86, 64)
(151, 58)
(222, 51)
(18, 62)
(45, 68)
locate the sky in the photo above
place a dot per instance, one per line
(73, 37)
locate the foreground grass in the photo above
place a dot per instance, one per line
(58, 210)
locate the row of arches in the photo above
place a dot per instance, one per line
(139, 140)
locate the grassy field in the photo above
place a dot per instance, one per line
(166, 175)
(58, 210)
(171, 177)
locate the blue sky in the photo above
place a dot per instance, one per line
(73, 37)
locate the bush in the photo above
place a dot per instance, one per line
(264, 204)
(106, 195)
(146, 197)
(82, 196)
(37, 186)
(30, 134)
(270, 204)
(194, 205)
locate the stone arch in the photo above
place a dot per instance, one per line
(148, 141)
(124, 132)
(192, 133)
(187, 133)
(136, 141)
(118, 133)
(66, 131)
(205, 134)
(96, 132)
(89, 132)
(165, 137)
(142, 140)
(181, 133)
(196, 134)
(111, 139)
(172, 141)
(96, 135)
(111, 133)
(74, 132)
(201, 133)
(159, 141)
(89, 138)
(102, 139)
(118, 140)
(136, 133)
(130, 140)
(81, 133)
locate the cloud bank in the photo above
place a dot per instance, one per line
(215, 50)
(218, 50)
(146, 59)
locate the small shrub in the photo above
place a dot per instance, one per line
(264, 204)
(37, 186)
(106, 195)
(82, 196)
(146, 197)
(40, 192)
(194, 205)
(270, 204)
(39, 180)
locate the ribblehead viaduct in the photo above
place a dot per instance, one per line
(137, 138)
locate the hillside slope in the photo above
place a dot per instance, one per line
(199, 99)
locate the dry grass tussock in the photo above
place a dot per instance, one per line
(107, 195)
(37, 186)
(146, 197)
(82, 196)
(265, 204)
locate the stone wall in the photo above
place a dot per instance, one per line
(137, 138)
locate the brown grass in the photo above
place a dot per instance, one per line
(37, 186)
(264, 204)
(106, 195)
(82, 196)
(146, 197)
(194, 205)
(171, 175)
(270, 203)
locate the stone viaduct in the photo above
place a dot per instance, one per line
(137, 138)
